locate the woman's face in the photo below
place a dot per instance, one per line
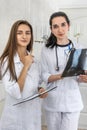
(59, 27)
(23, 35)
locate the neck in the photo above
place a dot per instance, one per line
(22, 52)
(63, 41)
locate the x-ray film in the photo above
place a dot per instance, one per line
(77, 63)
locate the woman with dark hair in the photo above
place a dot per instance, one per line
(62, 105)
(20, 75)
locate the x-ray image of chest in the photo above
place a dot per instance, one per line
(76, 58)
(84, 59)
(77, 63)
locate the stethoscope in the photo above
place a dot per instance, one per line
(70, 48)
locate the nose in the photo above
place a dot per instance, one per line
(60, 29)
(24, 35)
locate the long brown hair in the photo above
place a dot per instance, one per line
(11, 48)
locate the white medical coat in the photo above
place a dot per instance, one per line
(67, 97)
(26, 116)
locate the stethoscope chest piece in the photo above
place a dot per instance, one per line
(57, 68)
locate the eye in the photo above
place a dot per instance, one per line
(19, 32)
(63, 24)
(28, 33)
(55, 26)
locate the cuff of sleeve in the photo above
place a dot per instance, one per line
(46, 78)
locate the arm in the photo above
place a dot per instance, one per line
(47, 68)
(53, 78)
(13, 87)
(27, 61)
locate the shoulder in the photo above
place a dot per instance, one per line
(77, 45)
(46, 49)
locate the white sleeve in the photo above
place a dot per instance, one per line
(11, 86)
(44, 66)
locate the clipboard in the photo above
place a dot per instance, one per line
(34, 96)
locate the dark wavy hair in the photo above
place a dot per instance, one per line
(52, 40)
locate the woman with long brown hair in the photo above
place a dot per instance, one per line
(20, 75)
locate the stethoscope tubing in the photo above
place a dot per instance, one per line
(56, 53)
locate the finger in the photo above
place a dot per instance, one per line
(44, 95)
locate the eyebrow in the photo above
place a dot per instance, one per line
(64, 22)
(22, 30)
(57, 24)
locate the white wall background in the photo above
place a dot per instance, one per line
(37, 12)
(10, 11)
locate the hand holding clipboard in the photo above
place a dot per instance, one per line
(35, 96)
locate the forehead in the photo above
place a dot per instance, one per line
(23, 27)
(58, 20)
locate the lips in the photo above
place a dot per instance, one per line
(23, 41)
(60, 34)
